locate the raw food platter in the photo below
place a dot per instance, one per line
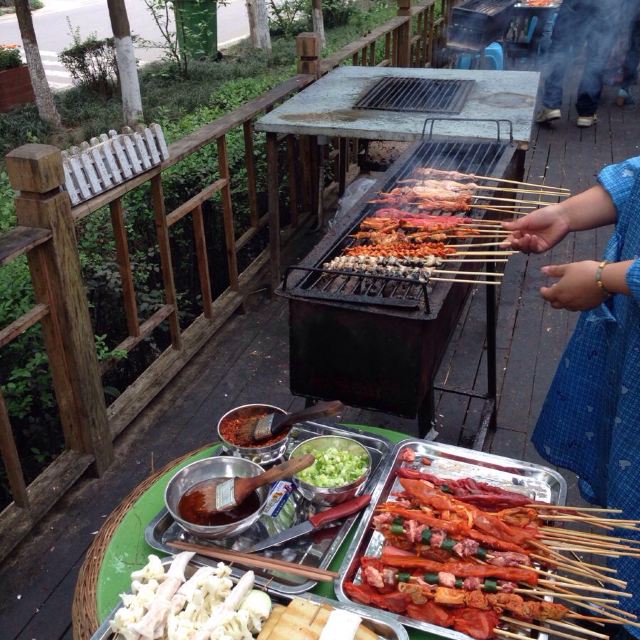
(381, 623)
(315, 550)
(539, 483)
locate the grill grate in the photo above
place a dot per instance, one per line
(487, 7)
(321, 283)
(417, 95)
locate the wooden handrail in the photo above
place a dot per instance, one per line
(20, 240)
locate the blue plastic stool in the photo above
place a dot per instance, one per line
(493, 53)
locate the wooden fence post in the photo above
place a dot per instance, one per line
(404, 35)
(308, 49)
(35, 170)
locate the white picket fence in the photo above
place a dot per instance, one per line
(105, 162)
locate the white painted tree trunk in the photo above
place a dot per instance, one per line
(318, 21)
(129, 84)
(259, 24)
(44, 96)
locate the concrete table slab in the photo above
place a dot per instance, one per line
(326, 106)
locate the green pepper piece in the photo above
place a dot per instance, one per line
(431, 578)
(490, 585)
(459, 583)
(397, 529)
(445, 488)
(481, 553)
(448, 544)
(403, 576)
(398, 520)
(426, 535)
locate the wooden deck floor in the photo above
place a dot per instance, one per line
(248, 361)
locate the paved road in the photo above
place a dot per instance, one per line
(92, 16)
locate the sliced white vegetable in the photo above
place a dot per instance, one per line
(186, 591)
(341, 624)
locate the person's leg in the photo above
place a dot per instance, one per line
(558, 55)
(632, 59)
(600, 44)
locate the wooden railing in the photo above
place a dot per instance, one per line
(47, 236)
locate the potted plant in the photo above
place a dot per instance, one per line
(15, 82)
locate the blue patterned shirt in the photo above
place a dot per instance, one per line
(590, 421)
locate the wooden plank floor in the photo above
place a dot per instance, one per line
(248, 362)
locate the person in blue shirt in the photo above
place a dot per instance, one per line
(590, 420)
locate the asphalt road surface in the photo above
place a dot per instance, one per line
(92, 16)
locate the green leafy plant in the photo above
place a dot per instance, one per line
(10, 57)
(91, 62)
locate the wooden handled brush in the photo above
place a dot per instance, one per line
(222, 494)
(275, 423)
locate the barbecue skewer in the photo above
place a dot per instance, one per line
(537, 505)
(462, 281)
(509, 634)
(528, 184)
(540, 203)
(531, 625)
(587, 534)
(423, 181)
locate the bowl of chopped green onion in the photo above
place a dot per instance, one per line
(339, 473)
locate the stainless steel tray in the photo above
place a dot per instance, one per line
(315, 550)
(377, 621)
(539, 483)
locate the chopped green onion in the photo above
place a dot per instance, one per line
(426, 535)
(481, 553)
(404, 577)
(448, 544)
(490, 585)
(334, 467)
(459, 583)
(445, 488)
(398, 520)
(397, 529)
(431, 578)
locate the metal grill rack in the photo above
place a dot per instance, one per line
(477, 23)
(417, 95)
(392, 292)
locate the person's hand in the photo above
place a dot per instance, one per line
(576, 289)
(538, 231)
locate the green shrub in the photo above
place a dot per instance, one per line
(9, 56)
(92, 62)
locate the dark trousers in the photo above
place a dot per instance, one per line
(580, 22)
(632, 59)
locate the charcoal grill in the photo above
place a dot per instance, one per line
(418, 95)
(376, 342)
(477, 23)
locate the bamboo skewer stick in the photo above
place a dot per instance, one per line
(581, 568)
(583, 587)
(252, 560)
(529, 184)
(470, 273)
(461, 281)
(537, 627)
(511, 212)
(596, 542)
(624, 617)
(540, 203)
(483, 253)
(584, 520)
(478, 244)
(575, 627)
(486, 187)
(537, 505)
(474, 260)
(598, 551)
(556, 576)
(574, 533)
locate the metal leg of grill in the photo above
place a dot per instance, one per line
(426, 413)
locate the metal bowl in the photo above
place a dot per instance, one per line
(323, 496)
(207, 469)
(265, 454)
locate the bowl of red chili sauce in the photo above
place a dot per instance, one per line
(267, 451)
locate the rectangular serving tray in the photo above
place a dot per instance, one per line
(377, 621)
(315, 550)
(539, 483)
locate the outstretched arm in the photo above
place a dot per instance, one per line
(544, 228)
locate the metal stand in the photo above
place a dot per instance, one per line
(489, 408)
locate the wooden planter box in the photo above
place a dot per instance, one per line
(15, 88)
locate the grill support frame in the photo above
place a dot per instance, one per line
(332, 343)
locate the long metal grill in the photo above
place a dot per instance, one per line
(488, 7)
(417, 95)
(321, 283)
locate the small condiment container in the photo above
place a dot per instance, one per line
(261, 454)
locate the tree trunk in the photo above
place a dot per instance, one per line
(259, 24)
(318, 21)
(44, 96)
(126, 58)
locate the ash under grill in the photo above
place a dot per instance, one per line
(417, 95)
(394, 293)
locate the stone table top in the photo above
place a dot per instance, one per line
(326, 106)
